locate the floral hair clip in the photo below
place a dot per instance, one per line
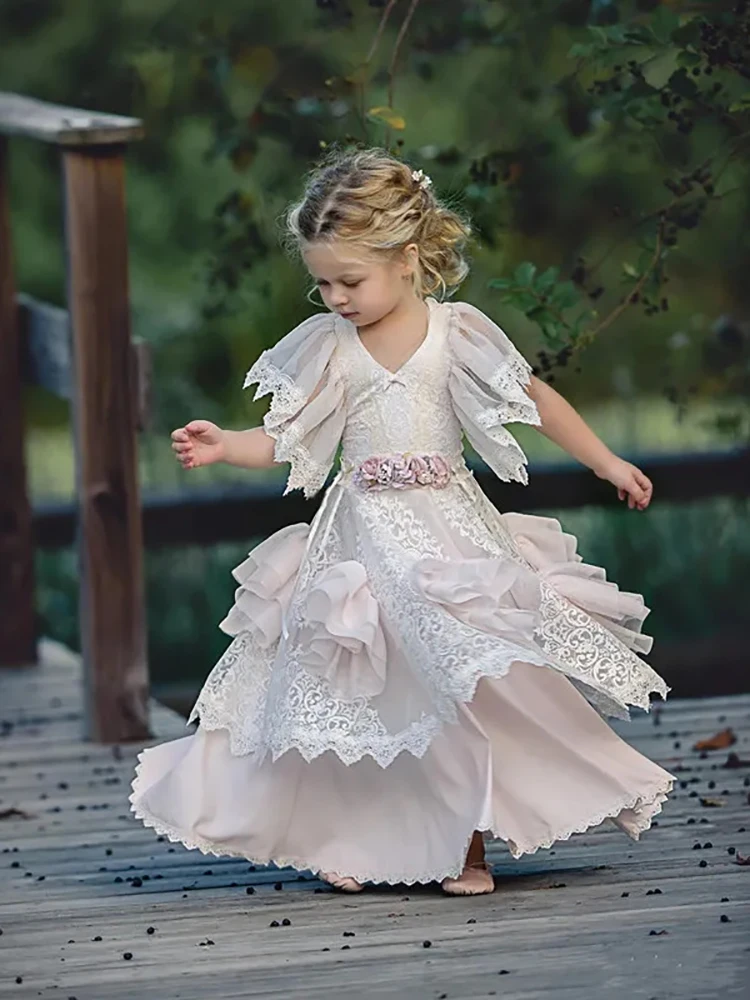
(422, 179)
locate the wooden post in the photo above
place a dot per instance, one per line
(17, 641)
(113, 636)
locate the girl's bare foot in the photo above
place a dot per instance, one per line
(476, 878)
(343, 882)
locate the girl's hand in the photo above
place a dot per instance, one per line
(629, 481)
(198, 443)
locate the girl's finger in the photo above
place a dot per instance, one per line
(197, 426)
(180, 434)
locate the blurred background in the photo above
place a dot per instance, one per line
(602, 150)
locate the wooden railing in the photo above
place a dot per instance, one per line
(239, 513)
(102, 384)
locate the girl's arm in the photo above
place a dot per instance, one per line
(202, 443)
(562, 424)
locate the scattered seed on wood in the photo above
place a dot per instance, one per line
(724, 919)
(427, 944)
(128, 955)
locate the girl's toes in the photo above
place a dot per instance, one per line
(343, 882)
(475, 880)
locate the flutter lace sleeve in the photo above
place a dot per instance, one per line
(487, 383)
(306, 416)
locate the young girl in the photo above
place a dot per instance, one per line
(413, 668)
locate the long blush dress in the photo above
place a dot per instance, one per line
(413, 665)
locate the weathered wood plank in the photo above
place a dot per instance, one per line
(64, 126)
(571, 922)
(17, 639)
(113, 633)
(46, 346)
(47, 357)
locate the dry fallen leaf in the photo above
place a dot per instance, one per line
(742, 859)
(719, 741)
(712, 802)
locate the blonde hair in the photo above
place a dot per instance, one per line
(370, 198)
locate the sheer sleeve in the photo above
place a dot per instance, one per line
(487, 383)
(306, 415)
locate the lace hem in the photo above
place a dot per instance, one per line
(509, 380)
(287, 400)
(653, 800)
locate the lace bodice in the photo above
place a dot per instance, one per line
(409, 410)
(465, 376)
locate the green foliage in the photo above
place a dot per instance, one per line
(600, 147)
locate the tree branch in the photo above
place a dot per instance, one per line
(381, 29)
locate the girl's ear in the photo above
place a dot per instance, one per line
(410, 258)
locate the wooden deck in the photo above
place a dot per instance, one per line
(93, 905)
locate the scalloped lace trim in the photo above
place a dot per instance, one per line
(652, 801)
(287, 399)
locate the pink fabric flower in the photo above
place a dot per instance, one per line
(440, 469)
(402, 471)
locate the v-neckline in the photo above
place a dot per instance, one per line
(430, 303)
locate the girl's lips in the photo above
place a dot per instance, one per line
(348, 315)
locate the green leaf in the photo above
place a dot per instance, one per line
(581, 50)
(742, 104)
(688, 59)
(663, 22)
(523, 300)
(387, 116)
(683, 84)
(524, 273)
(566, 295)
(547, 279)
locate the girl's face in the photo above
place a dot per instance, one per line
(362, 289)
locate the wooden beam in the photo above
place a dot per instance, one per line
(113, 633)
(17, 641)
(64, 126)
(238, 513)
(45, 336)
(47, 361)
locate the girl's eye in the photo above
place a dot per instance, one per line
(320, 283)
(352, 284)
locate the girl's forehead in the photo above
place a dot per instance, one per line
(333, 259)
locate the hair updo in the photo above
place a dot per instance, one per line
(370, 199)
